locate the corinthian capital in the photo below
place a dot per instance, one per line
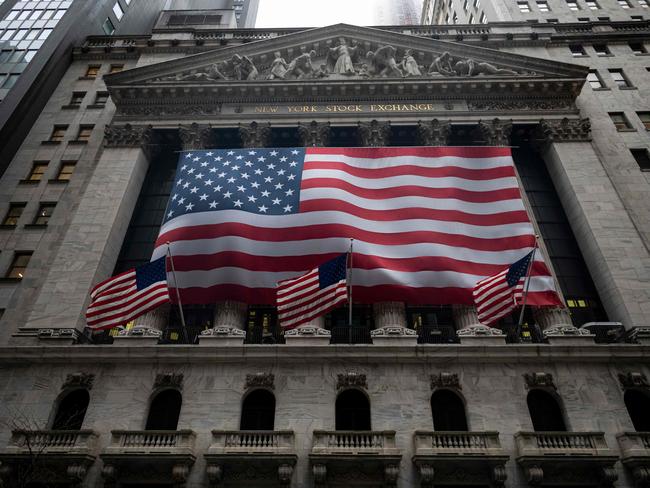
(314, 134)
(196, 136)
(564, 130)
(374, 133)
(127, 135)
(255, 135)
(433, 132)
(495, 132)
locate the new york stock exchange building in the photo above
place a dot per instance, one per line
(411, 393)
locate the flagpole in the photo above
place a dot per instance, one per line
(350, 288)
(178, 295)
(526, 286)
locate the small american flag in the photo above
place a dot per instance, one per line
(311, 295)
(128, 295)
(498, 295)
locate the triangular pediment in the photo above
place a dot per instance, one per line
(345, 60)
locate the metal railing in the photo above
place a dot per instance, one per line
(437, 334)
(350, 335)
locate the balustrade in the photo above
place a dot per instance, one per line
(370, 442)
(252, 441)
(51, 440)
(545, 443)
(151, 440)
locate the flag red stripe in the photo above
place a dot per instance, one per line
(414, 191)
(414, 170)
(127, 302)
(324, 231)
(413, 213)
(361, 261)
(478, 152)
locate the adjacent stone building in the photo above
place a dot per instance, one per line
(410, 395)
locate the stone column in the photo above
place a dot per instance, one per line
(390, 317)
(147, 328)
(90, 247)
(314, 134)
(607, 237)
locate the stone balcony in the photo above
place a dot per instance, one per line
(59, 456)
(371, 455)
(239, 457)
(148, 455)
(443, 457)
(581, 458)
(635, 455)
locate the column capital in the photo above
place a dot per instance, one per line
(563, 130)
(127, 135)
(495, 132)
(374, 133)
(314, 134)
(255, 134)
(195, 136)
(433, 132)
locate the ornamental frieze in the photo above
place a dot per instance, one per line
(564, 130)
(509, 105)
(127, 135)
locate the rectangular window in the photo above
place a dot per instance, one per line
(116, 68)
(58, 133)
(37, 172)
(85, 131)
(552, 21)
(92, 71)
(523, 7)
(10, 81)
(465, 5)
(603, 19)
(577, 50)
(642, 158)
(454, 19)
(108, 27)
(19, 264)
(542, 5)
(483, 18)
(620, 121)
(619, 78)
(76, 99)
(643, 3)
(645, 119)
(624, 3)
(583, 19)
(477, 4)
(66, 170)
(471, 18)
(573, 5)
(637, 48)
(592, 4)
(117, 10)
(29, 55)
(44, 213)
(594, 80)
(101, 98)
(637, 18)
(13, 214)
(602, 50)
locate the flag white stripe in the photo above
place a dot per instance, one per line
(422, 161)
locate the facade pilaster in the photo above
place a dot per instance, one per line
(592, 203)
(91, 245)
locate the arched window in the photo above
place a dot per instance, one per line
(352, 411)
(164, 410)
(638, 406)
(258, 411)
(448, 411)
(71, 411)
(545, 412)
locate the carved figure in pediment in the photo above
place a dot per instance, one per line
(341, 58)
(210, 73)
(364, 72)
(244, 68)
(469, 67)
(321, 72)
(278, 67)
(383, 63)
(409, 65)
(301, 66)
(442, 65)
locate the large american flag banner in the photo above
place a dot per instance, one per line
(427, 222)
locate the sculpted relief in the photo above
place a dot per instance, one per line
(344, 59)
